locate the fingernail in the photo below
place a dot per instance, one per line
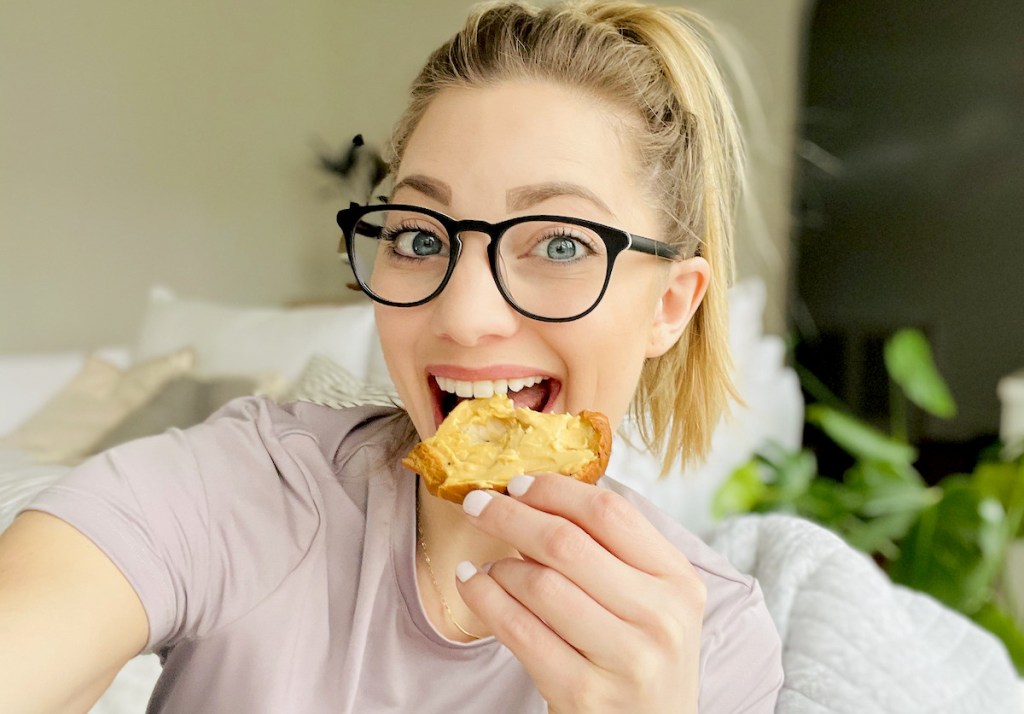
(519, 485)
(464, 571)
(475, 502)
(486, 567)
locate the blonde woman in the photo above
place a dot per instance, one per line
(560, 229)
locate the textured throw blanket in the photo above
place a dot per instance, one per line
(853, 642)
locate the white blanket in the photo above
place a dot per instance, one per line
(855, 643)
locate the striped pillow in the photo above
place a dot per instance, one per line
(323, 381)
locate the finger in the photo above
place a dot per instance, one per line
(573, 615)
(608, 517)
(550, 661)
(560, 544)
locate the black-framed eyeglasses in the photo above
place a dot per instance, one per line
(549, 268)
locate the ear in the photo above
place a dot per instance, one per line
(680, 296)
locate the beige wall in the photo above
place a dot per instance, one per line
(175, 143)
(768, 36)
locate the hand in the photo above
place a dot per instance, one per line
(604, 613)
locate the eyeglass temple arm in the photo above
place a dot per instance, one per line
(654, 247)
(361, 227)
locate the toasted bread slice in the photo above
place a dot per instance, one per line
(483, 443)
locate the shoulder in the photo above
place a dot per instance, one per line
(253, 446)
(262, 418)
(716, 570)
(205, 522)
(735, 605)
(739, 638)
(251, 435)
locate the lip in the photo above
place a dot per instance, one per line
(490, 372)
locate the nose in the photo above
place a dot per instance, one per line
(470, 310)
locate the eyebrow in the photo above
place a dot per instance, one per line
(431, 188)
(516, 199)
(526, 196)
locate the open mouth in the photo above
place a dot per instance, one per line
(537, 393)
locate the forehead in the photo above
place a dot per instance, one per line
(487, 143)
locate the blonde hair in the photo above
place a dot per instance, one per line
(654, 65)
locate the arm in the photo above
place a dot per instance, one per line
(69, 620)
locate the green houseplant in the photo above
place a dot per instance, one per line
(949, 539)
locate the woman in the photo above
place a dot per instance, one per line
(280, 559)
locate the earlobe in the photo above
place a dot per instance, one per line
(680, 297)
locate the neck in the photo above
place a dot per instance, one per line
(450, 538)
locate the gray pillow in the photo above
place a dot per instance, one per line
(183, 402)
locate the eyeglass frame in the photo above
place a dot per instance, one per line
(616, 240)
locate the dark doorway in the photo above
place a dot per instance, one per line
(910, 201)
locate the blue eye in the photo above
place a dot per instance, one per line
(418, 244)
(561, 248)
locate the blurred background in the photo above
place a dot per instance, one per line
(177, 144)
(909, 204)
(148, 143)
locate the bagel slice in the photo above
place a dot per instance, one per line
(483, 443)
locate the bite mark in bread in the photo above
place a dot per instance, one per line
(483, 443)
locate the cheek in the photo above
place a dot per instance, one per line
(397, 330)
(607, 358)
(624, 341)
(385, 329)
(630, 316)
(400, 330)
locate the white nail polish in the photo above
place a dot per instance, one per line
(475, 502)
(519, 485)
(464, 571)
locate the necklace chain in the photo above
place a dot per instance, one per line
(433, 578)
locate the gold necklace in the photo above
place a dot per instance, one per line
(433, 579)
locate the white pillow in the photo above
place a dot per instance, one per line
(256, 341)
(27, 381)
(93, 403)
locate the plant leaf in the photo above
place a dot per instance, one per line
(858, 439)
(909, 361)
(954, 551)
(1004, 481)
(828, 502)
(793, 473)
(740, 493)
(816, 388)
(880, 535)
(888, 488)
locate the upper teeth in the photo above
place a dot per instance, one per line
(485, 388)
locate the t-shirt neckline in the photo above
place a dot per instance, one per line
(403, 557)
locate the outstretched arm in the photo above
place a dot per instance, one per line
(69, 620)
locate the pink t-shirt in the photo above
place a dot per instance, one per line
(273, 549)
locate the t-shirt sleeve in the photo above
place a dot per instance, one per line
(741, 652)
(204, 523)
(742, 671)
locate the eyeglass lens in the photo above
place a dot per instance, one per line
(548, 268)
